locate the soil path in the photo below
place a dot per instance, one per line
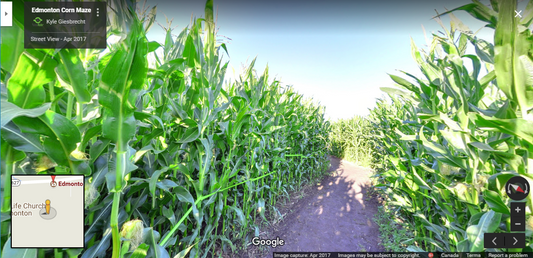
(335, 216)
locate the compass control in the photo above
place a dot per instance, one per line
(517, 188)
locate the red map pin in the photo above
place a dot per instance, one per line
(53, 183)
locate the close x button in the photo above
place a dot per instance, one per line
(505, 240)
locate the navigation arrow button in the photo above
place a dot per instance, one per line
(494, 240)
(514, 240)
(7, 19)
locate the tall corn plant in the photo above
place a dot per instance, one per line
(176, 162)
(122, 80)
(351, 139)
(464, 134)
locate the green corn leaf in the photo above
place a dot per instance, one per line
(527, 18)
(457, 24)
(207, 145)
(515, 162)
(235, 128)
(122, 81)
(61, 138)
(239, 213)
(417, 249)
(404, 83)
(150, 19)
(512, 65)
(482, 146)
(463, 246)
(189, 52)
(420, 181)
(72, 75)
(455, 140)
(116, 160)
(102, 214)
(98, 148)
(518, 127)
(184, 252)
(440, 153)
(209, 11)
(396, 91)
(169, 214)
(488, 223)
(25, 86)
(12, 46)
(21, 141)
(484, 49)
(190, 135)
(183, 194)
(153, 181)
(141, 251)
(261, 208)
(497, 181)
(479, 11)
(210, 41)
(227, 241)
(524, 81)
(100, 247)
(495, 202)
(166, 185)
(211, 199)
(89, 134)
(483, 82)
(7, 251)
(430, 226)
(155, 250)
(10, 111)
(152, 46)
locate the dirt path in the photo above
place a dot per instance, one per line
(335, 216)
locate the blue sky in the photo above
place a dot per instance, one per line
(338, 52)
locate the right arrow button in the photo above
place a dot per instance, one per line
(7, 17)
(515, 240)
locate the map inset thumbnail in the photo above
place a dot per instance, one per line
(47, 211)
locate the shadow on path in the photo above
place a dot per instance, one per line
(336, 215)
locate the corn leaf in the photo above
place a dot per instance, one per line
(488, 223)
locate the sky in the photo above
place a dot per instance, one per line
(339, 52)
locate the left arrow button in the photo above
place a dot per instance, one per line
(494, 240)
